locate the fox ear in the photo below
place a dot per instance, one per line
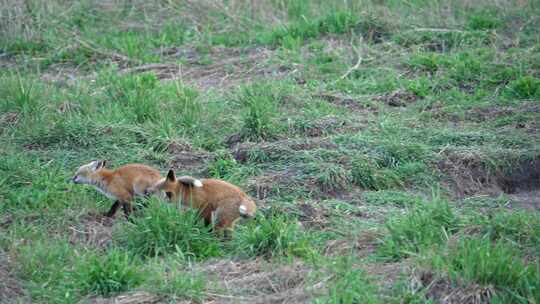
(170, 176)
(102, 164)
(95, 165)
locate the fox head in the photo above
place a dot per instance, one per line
(171, 186)
(86, 174)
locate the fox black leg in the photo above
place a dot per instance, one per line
(128, 208)
(113, 209)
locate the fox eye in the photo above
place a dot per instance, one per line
(169, 194)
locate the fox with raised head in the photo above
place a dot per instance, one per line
(219, 202)
(122, 184)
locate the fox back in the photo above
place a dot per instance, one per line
(219, 202)
(121, 184)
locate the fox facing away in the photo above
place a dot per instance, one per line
(219, 202)
(123, 183)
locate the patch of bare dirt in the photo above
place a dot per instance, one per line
(256, 281)
(523, 184)
(470, 176)
(271, 183)
(218, 67)
(342, 101)
(386, 274)
(492, 112)
(92, 229)
(362, 246)
(442, 290)
(187, 159)
(314, 215)
(11, 290)
(399, 98)
(139, 297)
(9, 118)
(280, 149)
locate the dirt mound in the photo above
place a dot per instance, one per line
(92, 229)
(523, 184)
(469, 175)
(398, 98)
(443, 291)
(256, 281)
(524, 177)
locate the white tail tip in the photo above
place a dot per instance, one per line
(197, 183)
(242, 209)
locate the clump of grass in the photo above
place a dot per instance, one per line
(422, 227)
(333, 178)
(397, 198)
(350, 285)
(520, 227)
(135, 93)
(45, 266)
(272, 235)
(117, 271)
(294, 34)
(428, 62)
(176, 284)
(369, 175)
(393, 154)
(223, 165)
(260, 105)
(185, 103)
(21, 94)
(483, 20)
(497, 264)
(164, 228)
(524, 87)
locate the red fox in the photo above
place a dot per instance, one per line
(121, 184)
(220, 203)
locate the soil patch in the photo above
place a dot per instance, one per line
(364, 245)
(140, 297)
(256, 281)
(470, 176)
(217, 67)
(398, 98)
(342, 101)
(92, 229)
(11, 290)
(314, 215)
(187, 160)
(272, 183)
(442, 290)
(492, 112)
(280, 149)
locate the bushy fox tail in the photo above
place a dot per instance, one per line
(190, 181)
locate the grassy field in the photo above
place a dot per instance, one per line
(393, 149)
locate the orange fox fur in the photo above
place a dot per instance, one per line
(121, 184)
(219, 202)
